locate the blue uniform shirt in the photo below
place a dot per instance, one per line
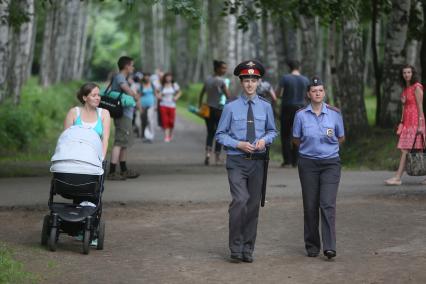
(318, 134)
(232, 126)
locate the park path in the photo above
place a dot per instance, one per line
(170, 226)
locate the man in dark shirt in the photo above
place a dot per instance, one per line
(292, 90)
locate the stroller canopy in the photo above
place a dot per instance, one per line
(78, 151)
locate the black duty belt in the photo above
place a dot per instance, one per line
(255, 156)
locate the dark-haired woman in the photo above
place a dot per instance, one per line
(168, 95)
(413, 124)
(215, 87)
(90, 115)
(317, 131)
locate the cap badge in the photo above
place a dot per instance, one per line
(251, 64)
(251, 71)
(329, 132)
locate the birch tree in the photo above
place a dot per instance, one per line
(20, 51)
(307, 29)
(4, 44)
(394, 58)
(350, 75)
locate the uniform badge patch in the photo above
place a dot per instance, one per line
(330, 132)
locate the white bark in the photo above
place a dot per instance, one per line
(351, 95)
(202, 46)
(20, 52)
(307, 29)
(158, 35)
(4, 46)
(232, 43)
(393, 60)
(411, 52)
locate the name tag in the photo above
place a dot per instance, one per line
(330, 132)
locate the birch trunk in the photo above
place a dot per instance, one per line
(158, 35)
(56, 36)
(202, 46)
(351, 96)
(278, 33)
(182, 56)
(73, 42)
(146, 30)
(307, 29)
(319, 50)
(334, 62)
(411, 52)
(20, 52)
(393, 60)
(90, 44)
(4, 47)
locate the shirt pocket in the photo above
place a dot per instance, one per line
(260, 122)
(329, 132)
(309, 129)
(239, 122)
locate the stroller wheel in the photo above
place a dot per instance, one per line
(101, 235)
(45, 231)
(52, 239)
(86, 242)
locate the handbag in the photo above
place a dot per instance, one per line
(204, 111)
(416, 160)
(113, 105)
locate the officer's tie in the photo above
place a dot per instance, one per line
(251, 133)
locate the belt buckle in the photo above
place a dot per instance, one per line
(249, 156)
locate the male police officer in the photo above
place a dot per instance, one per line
(245, 128)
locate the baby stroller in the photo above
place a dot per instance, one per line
(78, 175)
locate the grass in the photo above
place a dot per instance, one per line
(12, 271)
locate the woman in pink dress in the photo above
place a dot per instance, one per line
(412, 120)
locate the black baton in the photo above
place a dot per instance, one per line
(265, 176)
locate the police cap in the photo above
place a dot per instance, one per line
(249, 68)
(315, 81)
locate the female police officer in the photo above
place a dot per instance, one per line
(245, 128)
(318, 130)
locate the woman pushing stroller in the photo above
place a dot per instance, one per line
(78, 174)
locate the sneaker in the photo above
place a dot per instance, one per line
(393, 181)
(130, 174)
(115, 176)
(167, 139)
(94, 243)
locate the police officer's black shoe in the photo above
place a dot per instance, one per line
(313, 254)
(330, 254)
(236, 257)
(247, 258)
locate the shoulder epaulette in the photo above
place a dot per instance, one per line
(264, 99)
(230, 100)
(333, 108)
(303, 108)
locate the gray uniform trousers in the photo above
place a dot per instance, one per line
(320, 181)
(245, 181)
